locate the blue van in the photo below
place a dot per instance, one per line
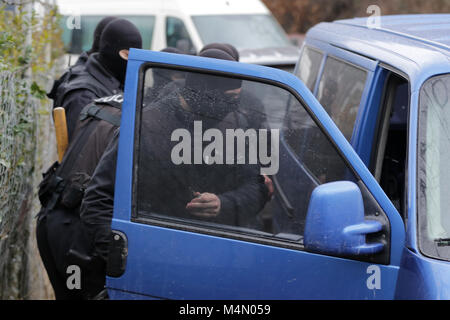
(355, 161)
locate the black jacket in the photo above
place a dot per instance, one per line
(166, 188)
(76, 69)
(91, 137)
(80, 160)
(98, 202)
(83, 84)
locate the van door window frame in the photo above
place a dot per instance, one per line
(370, 66)
(379, 213)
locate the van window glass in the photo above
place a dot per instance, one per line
(311, 147)
(79, 40)
(242, 31)
(223, 140)
(309, 66)
(340, 91)
(433, 157)
(391, 148)
(177, 35)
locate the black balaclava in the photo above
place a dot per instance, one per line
(205, 94)
(228, 48)
(171, 50)
(119, 34)
(98, 32)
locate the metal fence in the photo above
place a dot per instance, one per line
(27, 147)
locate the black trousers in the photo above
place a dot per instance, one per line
(57, 232)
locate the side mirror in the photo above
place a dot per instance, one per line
(335, 221)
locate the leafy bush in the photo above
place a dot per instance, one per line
(30, 45)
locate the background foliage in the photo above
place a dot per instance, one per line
(297, 16)
(30, 45)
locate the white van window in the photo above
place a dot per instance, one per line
(79, 40)
(242, 31)
(340, 91)
(177, 35)
(308, 69)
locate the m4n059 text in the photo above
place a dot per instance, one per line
(246, 309)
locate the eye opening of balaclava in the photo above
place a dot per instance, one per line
(118, 35)
(207, 95)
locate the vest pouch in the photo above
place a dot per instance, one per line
(74, 191)
(48, 184)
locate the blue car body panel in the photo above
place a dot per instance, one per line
(417, 47)
(176, 264)
(422, 278)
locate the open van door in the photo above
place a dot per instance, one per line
(341, 237)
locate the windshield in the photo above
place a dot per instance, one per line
(77, 40)
(242, 31)
(433, 173)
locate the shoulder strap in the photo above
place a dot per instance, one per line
(98, 112)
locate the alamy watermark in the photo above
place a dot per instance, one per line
(256, 150)
(73, 20)
(74, 279)
(374, 21)
(374, 280)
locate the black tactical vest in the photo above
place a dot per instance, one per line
(59, 185)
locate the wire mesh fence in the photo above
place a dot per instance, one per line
(27, 144)
(17, 152)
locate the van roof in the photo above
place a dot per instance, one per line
(142, 7)
(432, 28)
(418, 45)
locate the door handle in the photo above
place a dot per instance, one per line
(117, 255)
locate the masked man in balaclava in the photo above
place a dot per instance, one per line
(251, 106)
(104, 72)
(96, 42)
(58, 89)
(58, 229)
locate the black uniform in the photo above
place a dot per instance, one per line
(73, 71)
(86, 84)
(61, 237)
(58, 228)
(98, 202)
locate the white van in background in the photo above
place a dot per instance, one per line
(187, 25)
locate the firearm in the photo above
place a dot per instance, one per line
(62, 140)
